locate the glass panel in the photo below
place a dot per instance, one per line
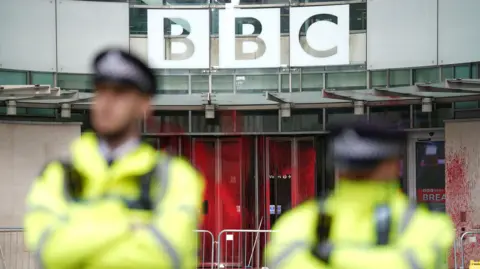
(285, 19)
(466, 105)
(339, 115)
(347, 81)
(236, 121)
(426, 75)
(295, 83)
(463, 71)
(138, 21)
(430, 173)
(312, 82)
(447, 72)
(214, 25)
(13, 78)
(303, 120)
(256, 83)
(172, 84)
(306, 172)
(379, 78)
(199, 83)
(397, 115)
(222, 84)
(41, 112)
(75, 82)
(442, 112)
(358, 16)
(399, 78)
(42, 78)
(280, 174)
(167, 122)
(475, 71)
(420, 119)
(204, 159)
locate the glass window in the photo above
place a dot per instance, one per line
(199, 83)
(347, 80)
(426, 75)
(172, 84)
(167, 122)
(430, 173)
(214, 25)
(256, 83)
(421, 119)
(463, 71)
(138, 21)
(236, 121)
(399, 78)
(339, 115)
(358, 16)
(476, 71)
(442, 112)
(222, 84)
(42, 78)
(295, 83)
(285, 20)
(75, 82)
(397, 115)
(41, 112)
(303, 120)
(447, 72)
(13, 78)
(379, 78)
(466, 105)
(312, 82)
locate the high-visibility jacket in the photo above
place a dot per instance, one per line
(140, 212)
(372, 226)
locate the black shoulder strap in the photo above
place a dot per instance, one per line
(383, 221)
(145, 201)
(324, 221)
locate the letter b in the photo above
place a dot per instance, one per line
(241, 26)
(178, 30)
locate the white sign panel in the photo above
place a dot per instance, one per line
(261, 46)
(327, 35)
(189, 45)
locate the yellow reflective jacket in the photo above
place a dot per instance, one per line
(140, 212)
(417, 237)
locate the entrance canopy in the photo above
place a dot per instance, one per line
(454, 90)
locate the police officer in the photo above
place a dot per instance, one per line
(115, 202)
(366, 223)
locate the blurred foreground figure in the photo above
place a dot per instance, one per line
(115, 202)
(366, 223)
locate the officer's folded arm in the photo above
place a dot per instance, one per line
(62, 233)
(169, 240)
(422, 246)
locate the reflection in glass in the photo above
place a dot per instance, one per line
(303, 120)
(172, 84)
(167, 122)
(399, 77)
(442, 112)
(256, 83)
(312, 82)
(379, 78)
(426, 75)
(347, 81)
(358, 16)
(13, 78)
(199, 83)
(430, 173)
(286, 83)
(75, 82)
(42, 78)
(306, 171)
(396, 115)
(222, 84)
(338, 115)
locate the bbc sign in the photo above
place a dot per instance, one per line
(326, 41)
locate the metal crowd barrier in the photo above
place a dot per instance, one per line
(460, 242)
(13, 253)
(242, 248)
(206, 249)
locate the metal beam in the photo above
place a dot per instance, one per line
(274, 98)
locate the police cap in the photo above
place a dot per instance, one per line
(118, 66)
(364, 144)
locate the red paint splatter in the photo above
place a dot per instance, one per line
(458, 201)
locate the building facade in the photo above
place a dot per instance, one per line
(247, 91)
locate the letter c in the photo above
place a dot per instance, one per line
(306, 47)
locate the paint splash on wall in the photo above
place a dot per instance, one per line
(461, 170)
